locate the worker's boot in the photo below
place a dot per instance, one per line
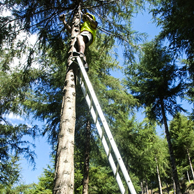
(83, 57)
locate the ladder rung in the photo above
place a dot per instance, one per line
(86, 92)
(109, 150)
(81, 77)
(91, 102)
(126, 190)
(102, 134)
(117, 169)
(96, 117)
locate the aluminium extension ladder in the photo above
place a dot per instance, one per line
(100, 120)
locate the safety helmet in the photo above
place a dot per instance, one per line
(93, 17)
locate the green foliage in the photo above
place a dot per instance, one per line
(13, 145)
(8, 31)
(182, 133)
(24, 189)
(14, 84)
(181, 129)
(45, 184)
(12, 141)
(156, 79)
(176, 18)
(157, 82)
(10, 171)
(102, 181)
(139, 146)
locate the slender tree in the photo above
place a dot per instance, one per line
(162, 160)
(87, 158)
(159, 180)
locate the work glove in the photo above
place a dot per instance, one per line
(85, 17)
(62, 17)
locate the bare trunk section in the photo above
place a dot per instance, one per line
(64, 164)
(190, 163)
(142, 191)
(172, 158)
(87, 157)
(147, 187)
(159, 180)
(174, 186)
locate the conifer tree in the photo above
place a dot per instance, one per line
(181, 130)
(153, 83)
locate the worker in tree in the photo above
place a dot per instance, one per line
(87, 33)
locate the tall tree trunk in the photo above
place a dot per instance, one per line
(64, 164)
(172, 158)
(87, 157)
(188, 176)
(158, 173)
(147, 187)
(142, 187)
(190, 163)
(174, 186)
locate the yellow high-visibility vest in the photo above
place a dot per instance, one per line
(86, 26)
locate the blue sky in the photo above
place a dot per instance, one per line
(142, 23)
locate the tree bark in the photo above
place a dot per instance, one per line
(190, 163)
(64, 164)
(87, 157)
(172, 158)
(159, 180)
(147, 187)
(142, 191)
(174, 186)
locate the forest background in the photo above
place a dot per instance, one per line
(139, 28)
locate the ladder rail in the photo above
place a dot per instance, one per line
(106, 128)
(104, 142)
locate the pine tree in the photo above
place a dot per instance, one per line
(160, 150)
(152, 82)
